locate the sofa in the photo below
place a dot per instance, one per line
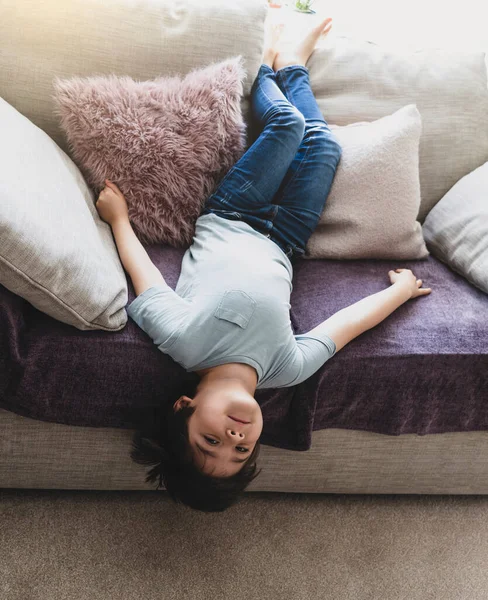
(402, 409)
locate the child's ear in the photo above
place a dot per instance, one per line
(182, 402)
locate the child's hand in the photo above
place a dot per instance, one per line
(408, 279)
(111, 204)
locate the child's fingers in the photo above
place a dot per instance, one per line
(113, 187)
(110, 184)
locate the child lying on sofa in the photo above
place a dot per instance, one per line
(235, 330)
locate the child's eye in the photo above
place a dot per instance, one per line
(242, 450)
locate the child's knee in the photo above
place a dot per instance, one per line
(322, 136)
(290, 117)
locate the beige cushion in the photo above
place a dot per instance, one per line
(371, 208)
(144, 40)
(355, 80)
(55, 250)
(456, 229)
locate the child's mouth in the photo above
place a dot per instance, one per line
(239, 420)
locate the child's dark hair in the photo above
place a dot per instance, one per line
(163, 442)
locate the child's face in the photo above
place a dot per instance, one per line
(211, 429)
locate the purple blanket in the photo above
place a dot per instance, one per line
(423, 370)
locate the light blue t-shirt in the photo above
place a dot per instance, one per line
(232, 304)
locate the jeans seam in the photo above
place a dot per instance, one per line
(297, 169)
(287, 90)
(265, 94)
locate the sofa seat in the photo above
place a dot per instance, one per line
(423, 370)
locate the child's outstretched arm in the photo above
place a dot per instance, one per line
(349, 322)
(320, 344)
(112, 208)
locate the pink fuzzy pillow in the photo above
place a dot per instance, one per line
(166, 143)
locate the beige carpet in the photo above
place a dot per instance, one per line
(77, 545)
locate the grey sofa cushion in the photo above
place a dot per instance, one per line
(456, 229)
(55, 250)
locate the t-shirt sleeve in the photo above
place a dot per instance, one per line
(310, 351)
(161, 313)
(315, 350)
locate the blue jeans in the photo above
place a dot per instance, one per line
(280, 184)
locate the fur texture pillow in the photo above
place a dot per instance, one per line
(166, 143)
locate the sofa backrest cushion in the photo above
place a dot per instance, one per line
(355, 80)
(144, 40)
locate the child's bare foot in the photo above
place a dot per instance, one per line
(272, 35)
(301, 54)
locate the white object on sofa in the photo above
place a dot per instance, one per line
(374, 200)
(55, 250)
(456, 229)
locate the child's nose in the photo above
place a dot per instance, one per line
(236, 433)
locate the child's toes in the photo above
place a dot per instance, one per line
(276, 33)
(278, 30)
(323, 23)
(326, 30)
